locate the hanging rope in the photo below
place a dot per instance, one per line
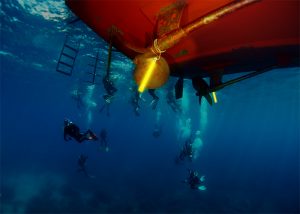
(157, 50)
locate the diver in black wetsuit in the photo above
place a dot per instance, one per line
(135, 101)
(72, 131)
(81, 164)
(155, 98)
(109, 86)
(194, 181)
(170, 98)
(186, 152)
(110, 92)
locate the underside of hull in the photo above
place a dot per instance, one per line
(261, 35)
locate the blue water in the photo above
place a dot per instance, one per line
(250, 153)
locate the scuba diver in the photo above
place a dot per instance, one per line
(194, 181)
(103, 140)
(109, 86)
(135, 101)
(81, 165)
(172, 102)
(72, 131)
(110, 92)
(186, 152)
(155, 98)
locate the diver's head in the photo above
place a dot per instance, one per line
(67, 122)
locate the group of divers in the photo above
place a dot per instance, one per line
(72, 131)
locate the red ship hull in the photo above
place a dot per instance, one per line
(261, 35)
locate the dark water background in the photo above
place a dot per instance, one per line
(250, 153)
